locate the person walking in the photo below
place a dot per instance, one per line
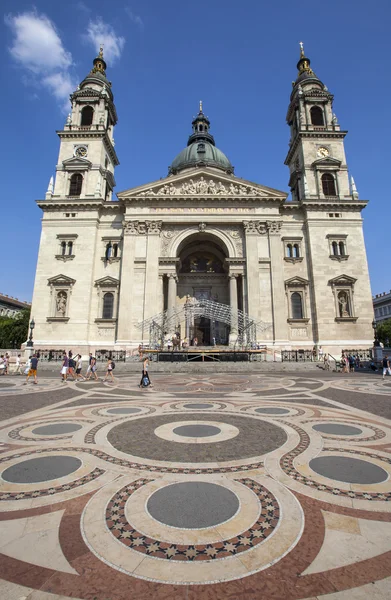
(33, 369)
(326, 362)
(109, 370)
(65, 367)
(79, 366)
(18, 366)
(2, 365)
(145, 380)
(352, 363)
(94, 368)
(89, 365)
(71, 365)
(386, 366)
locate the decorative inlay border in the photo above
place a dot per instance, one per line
(140, 466)
(121, 529)
(286, 464)
(53, 490)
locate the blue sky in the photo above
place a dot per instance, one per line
(163, 57)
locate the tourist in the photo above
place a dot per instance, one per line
(33, 369)
(18, 366)
(386, 366)
(89, 365)
(352, 363)
(7, 362)
(344, 363)
(195, 342)
(145, 380)
(326, 362)
(2, 365)
(93, 369)
(140, 351)
(79, 366)
(109, 370)
(65, 367)
(320, 354)
(71, 365)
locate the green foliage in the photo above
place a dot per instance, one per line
(384, 332)
(14, 332)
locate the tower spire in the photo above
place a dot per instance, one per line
(303, 66)
(99, 62)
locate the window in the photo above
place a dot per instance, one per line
(63, 248)
(111, 249)
(66, 246)
(338, 247)
(292, 249)
(317, 116)
(289, 251)
(341, 247)
(328, 185)
(76, 184)
(108, 306)
(87, 115)
(296, 306)
(334, 246)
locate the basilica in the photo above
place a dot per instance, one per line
(202, 253)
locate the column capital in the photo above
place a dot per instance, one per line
(254, 227)
(273, 227)
(154, 227)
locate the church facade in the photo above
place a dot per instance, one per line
(202, 253)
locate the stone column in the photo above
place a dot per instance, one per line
(151, 294)
(233, 300)
(124, 319)
(280, 324)
(171, 300)
(252, 231)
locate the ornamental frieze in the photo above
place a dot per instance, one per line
(203, 187)
(141, 227)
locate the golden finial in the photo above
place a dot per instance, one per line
(200, 106)
(100, 51)
(301, 49)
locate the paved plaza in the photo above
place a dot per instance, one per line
(215, 487)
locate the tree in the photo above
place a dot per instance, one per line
(383, 332)
(14, 331)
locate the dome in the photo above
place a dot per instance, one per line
(201, 153)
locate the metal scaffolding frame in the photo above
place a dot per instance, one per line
(166, 322)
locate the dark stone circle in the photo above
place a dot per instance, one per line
(44, 468)
(193, 505)
(337, 429)
(56, 429)
(197, 406)
(270, 410)
(255, 437)
(123, 411)
(348, 470)
(193, 431)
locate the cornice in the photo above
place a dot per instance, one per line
(201, 199)
(353, 205)
(91, 134)
(71, 205)
(312, 134)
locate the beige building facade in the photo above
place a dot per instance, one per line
(202, 253)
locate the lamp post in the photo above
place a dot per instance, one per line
(374, 327)
(30, 342)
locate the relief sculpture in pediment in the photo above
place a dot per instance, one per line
(203, 187)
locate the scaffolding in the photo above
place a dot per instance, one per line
(165, 323)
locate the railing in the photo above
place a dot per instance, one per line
(362, 353)
(297, 356)
(50, 355)
(117, 355)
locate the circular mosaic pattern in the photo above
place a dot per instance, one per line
(337, 429)
(193, 505)
(138, 438)
(123, 411)
(348, 470)
(199, 406)
(270, 410)
(56, 429)
(196, 430)
(40, 469)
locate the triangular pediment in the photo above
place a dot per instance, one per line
(107, 282)
(329, 161)
(61, 280)
(76, 163)
(296, 281)
(203, 182)
(342, 280)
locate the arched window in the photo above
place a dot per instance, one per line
(328, 185)
(76, 184)
(87, 115)
(296, 306)
(317, 116)
(289, 251)
(63, 248)
(108, 305)
(115, 250)
(70, 248)
(296, 251)
(334, 246)
(108, 251)
(341, 246)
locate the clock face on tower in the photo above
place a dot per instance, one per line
(81, 151)
(323, 152)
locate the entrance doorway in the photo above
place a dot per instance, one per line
(209, 332)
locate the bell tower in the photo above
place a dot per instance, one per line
(87, 159)
(316, 155)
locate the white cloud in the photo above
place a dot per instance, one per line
(137, 20)
(98, 33)
(38, 48)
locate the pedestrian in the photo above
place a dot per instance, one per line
(7, 362)
(2, 365)
(344, 363)
(65, 367)
(33, 369)
(145, 380)
(18, 366)
(320, 354)
(71, 365)
(357, 361)
(386, 366)
(93, 370)
(109, 370)
(89, 365)
(326, 362)
(351, 363)
(79, 366)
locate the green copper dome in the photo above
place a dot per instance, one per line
(200, 150)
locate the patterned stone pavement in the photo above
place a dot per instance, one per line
(226, 486)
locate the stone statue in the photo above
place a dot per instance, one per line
(221, 188)
(212, 187)
(61, 303)
(242, 190)
(191, 188)
(202, 186)
(69, 119)
(343, 305)
(334, 120)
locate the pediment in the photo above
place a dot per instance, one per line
(61, 280)
(296, 281)
(107, 282)
(76, 164)
(329, 161)
(342, 280)
(203, 182)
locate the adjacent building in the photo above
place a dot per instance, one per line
(11, 307)
(202, 253)
(382, 306)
